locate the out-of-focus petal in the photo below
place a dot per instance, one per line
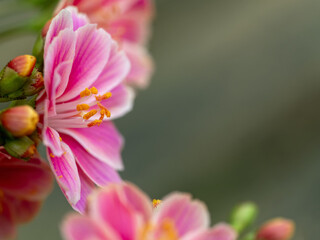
(111, 206)
(141, 65)
(77, 227)
(107, 150)
(7, 229)
(66, 172)
(30, 180)
(220, 231)
(187, 215)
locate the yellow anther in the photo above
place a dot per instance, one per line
(94, 90)
(60, 139)
(89, 114)
(102, 113)
(104, 96)
(60, 176)
(83, 106)
(106, 111)
(94, 123)
(156, 202)
(51, 155)
(85, 93)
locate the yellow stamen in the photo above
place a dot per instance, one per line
(60, 176)
(94, 90)
(85, 93)
(60, 139)
(51, 155)
(156, 202)
(89, 114)
(104, 96)
(94, 123)
(106, 111)
(83, 106)
(102, 113)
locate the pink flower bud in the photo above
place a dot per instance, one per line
(23, 65)
(276, 229)
(20, 121)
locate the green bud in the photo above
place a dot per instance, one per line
(38, 51)
(243, 216)
(10, 81)
(20, 148)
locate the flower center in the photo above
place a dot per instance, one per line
(167, 231)
(84, 109)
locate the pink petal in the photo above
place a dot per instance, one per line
(103, 142)
(77, 227)
(141, 65)
(58, 63)
(62, 21)
(91, 56)
(186, 214)
(78, 19)
(139, 201)
(112, 207)
(86, 188)
(120, 103)
(30, 180)
(114, 72)
(66, 172)
(99, 172)
(220, 231)
(51, 139)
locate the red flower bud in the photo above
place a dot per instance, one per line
(20, 121)
(276, 229)
(23, 65)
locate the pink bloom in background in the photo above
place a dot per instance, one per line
(23, 187)
(83, 75)
(128, 22)
(123, 212)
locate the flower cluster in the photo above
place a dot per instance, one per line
(89, 60)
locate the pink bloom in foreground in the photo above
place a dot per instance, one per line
(83, 75)
(128, 21)
(23, 187)
(123, 212)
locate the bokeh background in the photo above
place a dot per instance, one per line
(232, 112)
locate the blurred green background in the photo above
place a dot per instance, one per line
(232, 113)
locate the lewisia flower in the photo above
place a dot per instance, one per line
(83, 75)
(128, 21)
(123, 212)
(23, 187)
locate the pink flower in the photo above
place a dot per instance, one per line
(123, 212)
(83, 75)
(128, 21)
(23, 187)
